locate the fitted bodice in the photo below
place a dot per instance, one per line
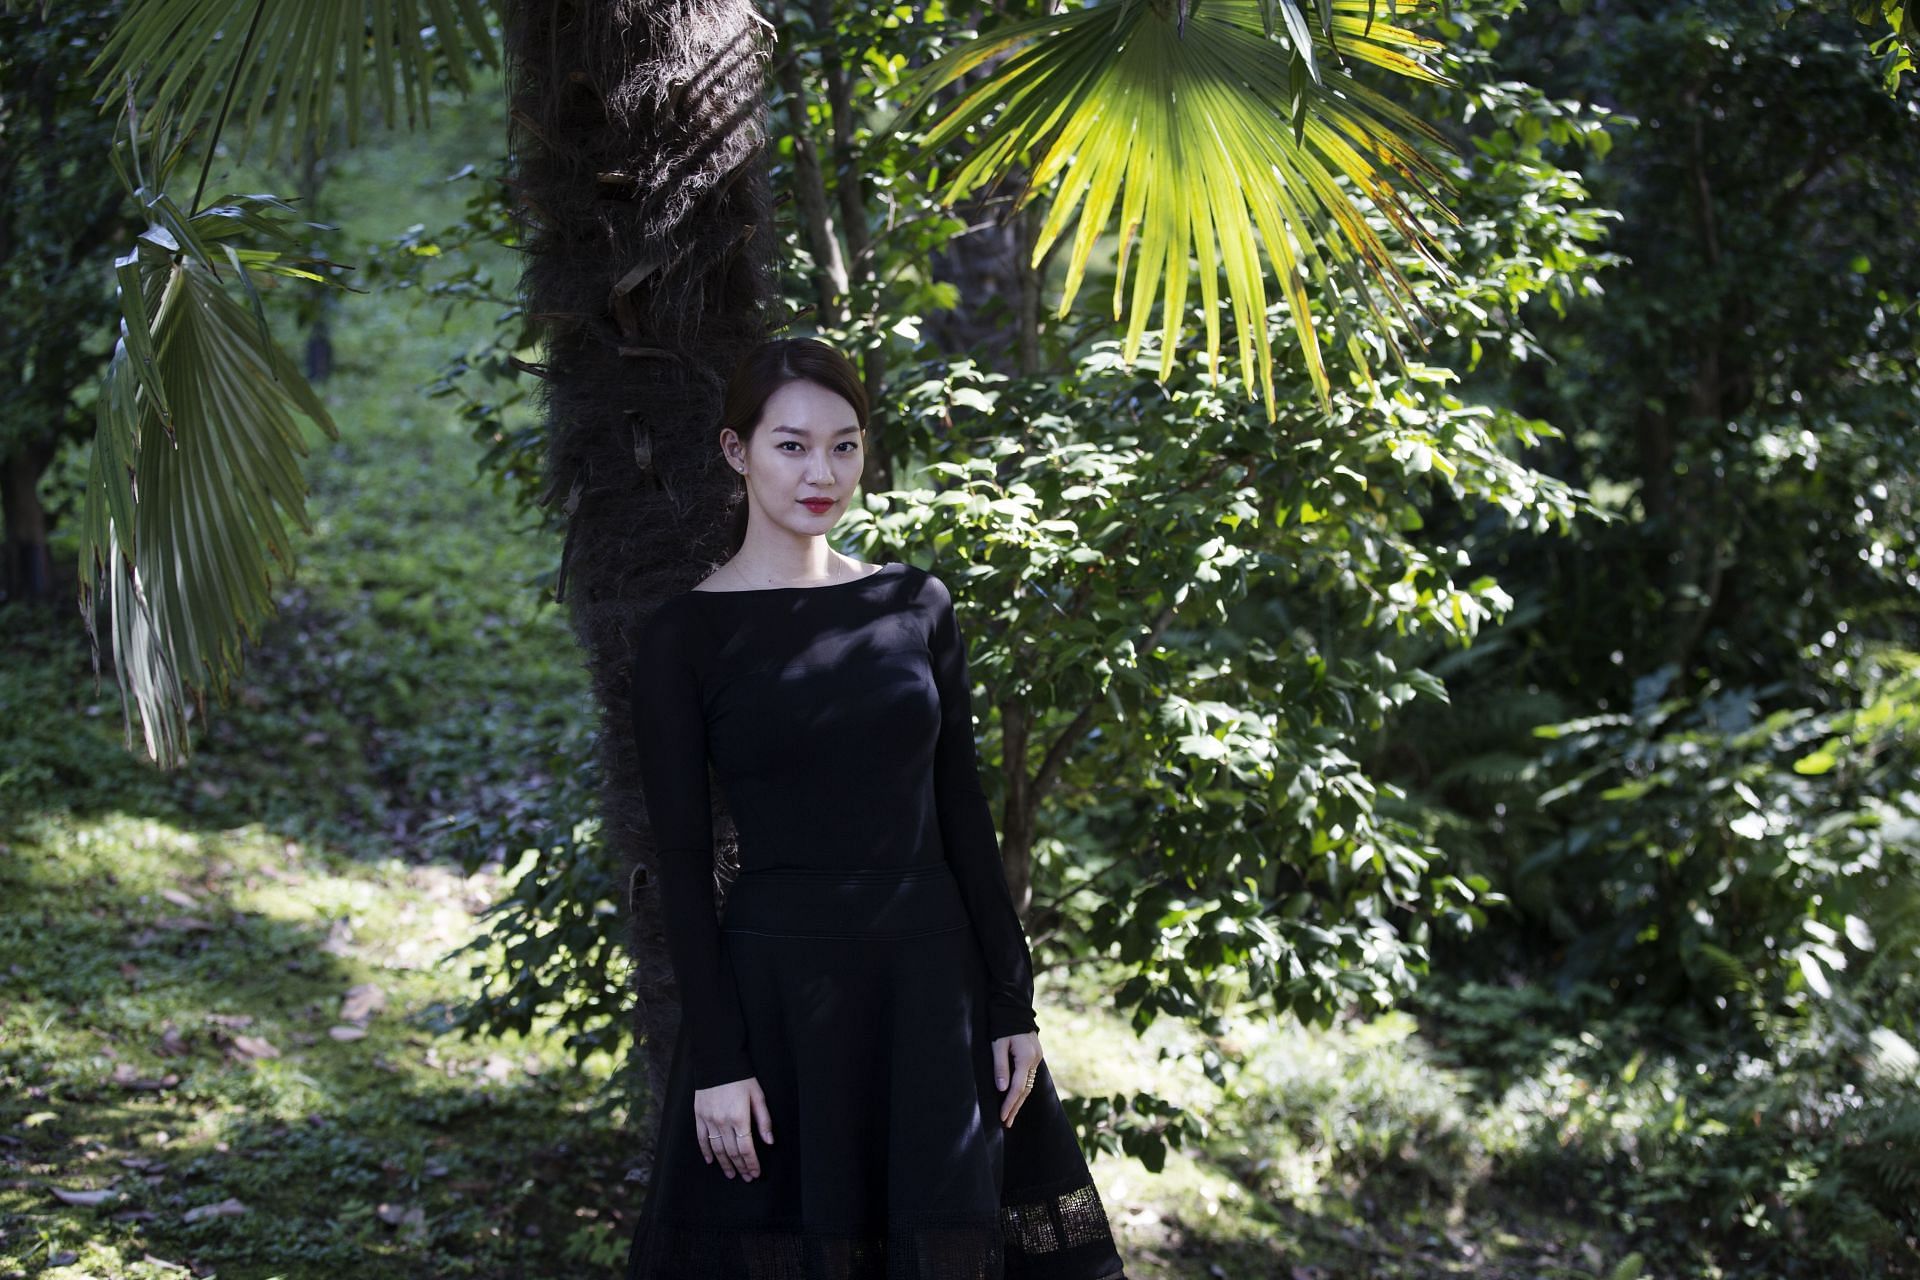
(837, 720)
(822, 720)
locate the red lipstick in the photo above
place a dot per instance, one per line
(816, 505)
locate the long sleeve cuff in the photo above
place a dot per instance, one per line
(1006, 1017)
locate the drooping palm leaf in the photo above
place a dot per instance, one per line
(285, 58)
(196, 456)
(1220, 134)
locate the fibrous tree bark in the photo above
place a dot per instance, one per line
(638, 135)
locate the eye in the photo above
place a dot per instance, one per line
(852, 446)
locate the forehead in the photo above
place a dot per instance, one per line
(806, 408)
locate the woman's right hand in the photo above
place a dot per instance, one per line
(723, 1119)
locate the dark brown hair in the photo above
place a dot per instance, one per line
(763, 371)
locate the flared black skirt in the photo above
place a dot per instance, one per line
(865, 999)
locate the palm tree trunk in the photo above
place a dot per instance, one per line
(638, 132)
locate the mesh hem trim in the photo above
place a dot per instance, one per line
(1056, 1236)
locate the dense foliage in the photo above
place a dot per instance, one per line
(63, 209)
(1689, 757)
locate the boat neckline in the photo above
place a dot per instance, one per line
(818, 586)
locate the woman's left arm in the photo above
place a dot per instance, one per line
(966, 829)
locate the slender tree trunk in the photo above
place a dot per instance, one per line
(29, 567)
(320, 332)
(638, 133)
(830, 284)
(985, 266)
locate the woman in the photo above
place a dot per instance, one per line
(857, 1088)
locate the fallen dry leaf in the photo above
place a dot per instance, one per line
(346, 1032)
(362, 1001)
(183, 923)
(224, 1209)
(126, 1077)
(411, 1221)
(252, 1047)
(84, 1199)
(180, 898)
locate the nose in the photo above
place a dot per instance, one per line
(820, 472)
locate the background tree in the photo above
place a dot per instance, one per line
(60, 207)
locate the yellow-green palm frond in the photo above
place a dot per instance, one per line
(287, 58)
(1218, 134)
(196, 454)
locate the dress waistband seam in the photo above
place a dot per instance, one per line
(839, 873)
(854, 937)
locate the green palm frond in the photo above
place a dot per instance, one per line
(286, 58)
(196, 454)
(1217, 136)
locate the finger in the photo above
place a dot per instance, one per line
(1013, 1070)
(1025, 1067)
(736, 1153)
(760, 1114)
(1025, 1093)
(749, 1158)
(1019, 1100)
(1001, 1048)
(723, 1147)
(701, 1134)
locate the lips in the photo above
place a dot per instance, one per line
(816, 505)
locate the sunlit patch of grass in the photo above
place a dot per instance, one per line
(1351, 1150)
(172, 999)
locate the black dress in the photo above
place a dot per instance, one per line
(867, 956)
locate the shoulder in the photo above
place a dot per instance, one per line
(666, 632)
(924, 591)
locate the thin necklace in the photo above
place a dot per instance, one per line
(749, 585)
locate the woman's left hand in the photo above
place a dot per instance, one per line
(1024, 1050)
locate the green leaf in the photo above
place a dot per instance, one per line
(285, 59)
(1629, 1268)
(194, 467)
(1184, 134)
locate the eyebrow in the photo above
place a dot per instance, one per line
(801, 431)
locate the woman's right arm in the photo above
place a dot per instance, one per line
(669, 728)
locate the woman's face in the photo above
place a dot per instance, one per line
(804, 459)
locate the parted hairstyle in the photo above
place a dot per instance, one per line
(763, 371)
